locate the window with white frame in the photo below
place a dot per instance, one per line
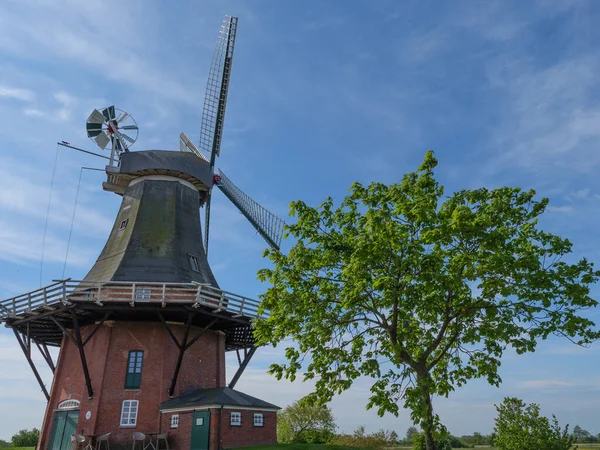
(142, 294)
(258, 420)
(123, 224)
(129, 413)
(175, 421)
(236, 419)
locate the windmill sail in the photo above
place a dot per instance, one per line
(185, 145)
(215, 99)
(269, 226)
(213, 113)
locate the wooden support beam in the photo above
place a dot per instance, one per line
(204, 330)
(98, 325)
(182, 349)
(79, 343)
(46, 355)
(64, 330)
(168, 328)
(27, 354)
(242, 367)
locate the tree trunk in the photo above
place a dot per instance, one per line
(428, 423)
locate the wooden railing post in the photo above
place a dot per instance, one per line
(64, 292)
(164, 298)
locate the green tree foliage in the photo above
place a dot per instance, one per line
(419, 291)
(410, 434)
(4, 444)
(520, 427)
(304, 423)
(26, 438)
(581, 435)
(360, 438)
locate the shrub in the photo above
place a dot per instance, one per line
(520, 427)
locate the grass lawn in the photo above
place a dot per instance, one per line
(303, 447)
(22, 448)
(343, 447)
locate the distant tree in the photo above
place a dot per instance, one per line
(4, 444)
(394, 438)
(410, 434)
(521, 427)
(580, 434)
(419, 291)
(26, 438)
(304, 423)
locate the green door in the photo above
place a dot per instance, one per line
(200, 426)
(65, 424)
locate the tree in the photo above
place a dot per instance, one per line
(26, 438)
(419, 292)
(410, 434)
(4, 444)
(520, 427)
(305, 423)
(580, 434)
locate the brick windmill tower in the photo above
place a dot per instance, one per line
(143, 336)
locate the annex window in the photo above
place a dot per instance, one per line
(175, 421)
(258, 420)
(123, 224)
(133, 378)
(236, 419)
(142, 294)
(194, 264)
(129, 413)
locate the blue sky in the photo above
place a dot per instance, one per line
(322, 94)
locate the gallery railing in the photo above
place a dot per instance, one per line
(69, 291)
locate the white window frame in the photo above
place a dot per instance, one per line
(123, 224)
(259, 420)
(129, 413)
(69, 404)
(175, 421)
(235, 419)
(143, 294)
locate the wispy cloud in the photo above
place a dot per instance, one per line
(16, 93)
(543, 384)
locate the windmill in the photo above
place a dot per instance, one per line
(145, 332)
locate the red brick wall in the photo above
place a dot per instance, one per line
(247, 434)
(107, 352)
(179, 438)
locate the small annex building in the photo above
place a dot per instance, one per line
(218, 418)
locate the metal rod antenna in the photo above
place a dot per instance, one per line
(73, 217)
(82, 150)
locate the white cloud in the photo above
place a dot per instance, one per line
(559, 209)
(33, 112)
(16, 93)
(543, 384)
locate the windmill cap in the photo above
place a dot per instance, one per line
(186, 166)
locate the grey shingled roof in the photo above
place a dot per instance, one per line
(197, 398)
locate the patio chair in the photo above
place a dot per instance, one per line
(162, 437)
(77, 441)
(138, 437)
(101, 439)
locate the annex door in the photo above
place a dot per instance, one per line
(200, 427)
(65, 423)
